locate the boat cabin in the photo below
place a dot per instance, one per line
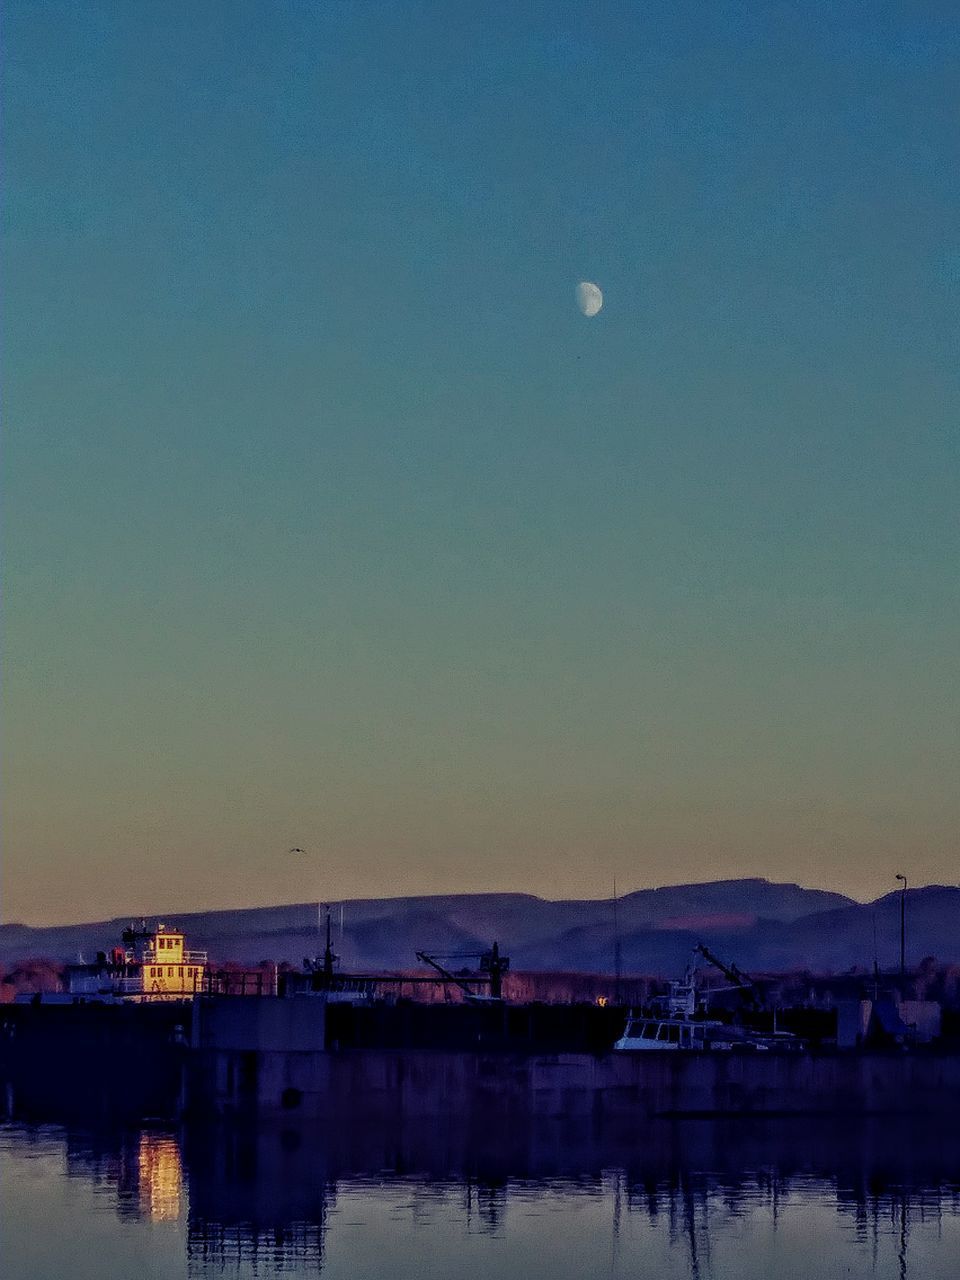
(663, 1033)
(152, 964)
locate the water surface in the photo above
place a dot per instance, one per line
(697, 1200)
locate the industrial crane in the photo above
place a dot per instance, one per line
(492, 967)
(739, 981)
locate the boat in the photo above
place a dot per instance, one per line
(151, 964)
(678, 1022)
(674, 1026)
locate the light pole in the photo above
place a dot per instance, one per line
(903, 925)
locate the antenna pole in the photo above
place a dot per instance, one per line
(616, 945)
(328, 953)
(876, 966)
(903, 925)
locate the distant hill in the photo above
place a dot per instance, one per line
(763, 926)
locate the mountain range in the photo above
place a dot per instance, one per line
(762, 926)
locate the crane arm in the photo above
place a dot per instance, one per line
(434, 963)
(729, 971)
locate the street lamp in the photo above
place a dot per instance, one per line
(903, 925)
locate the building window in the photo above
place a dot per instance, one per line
(170, 971)
(180, 972)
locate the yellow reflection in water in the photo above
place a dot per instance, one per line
(161, 1177)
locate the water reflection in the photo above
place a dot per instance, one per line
(695, 1197)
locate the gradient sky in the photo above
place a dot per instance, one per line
(331, 521)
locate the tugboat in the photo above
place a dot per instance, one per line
(152, 964)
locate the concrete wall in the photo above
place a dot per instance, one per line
(257, 1055)
(266, 1057)
(427, 1083)
(923, 1017)
(81, 1062)
(296, 1024)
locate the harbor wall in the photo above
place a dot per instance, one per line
(88, 1061)
(258, 1060)
(425, 1083)
(274, 1058)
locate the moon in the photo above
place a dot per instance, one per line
(589, 297)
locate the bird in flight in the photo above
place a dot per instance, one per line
(297, 849)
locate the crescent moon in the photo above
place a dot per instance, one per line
(589, 297)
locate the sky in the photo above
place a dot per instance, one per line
(331, 522)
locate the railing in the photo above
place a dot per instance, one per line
(145, 986)
(127, 986)
(157, 957)
(229, 982)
